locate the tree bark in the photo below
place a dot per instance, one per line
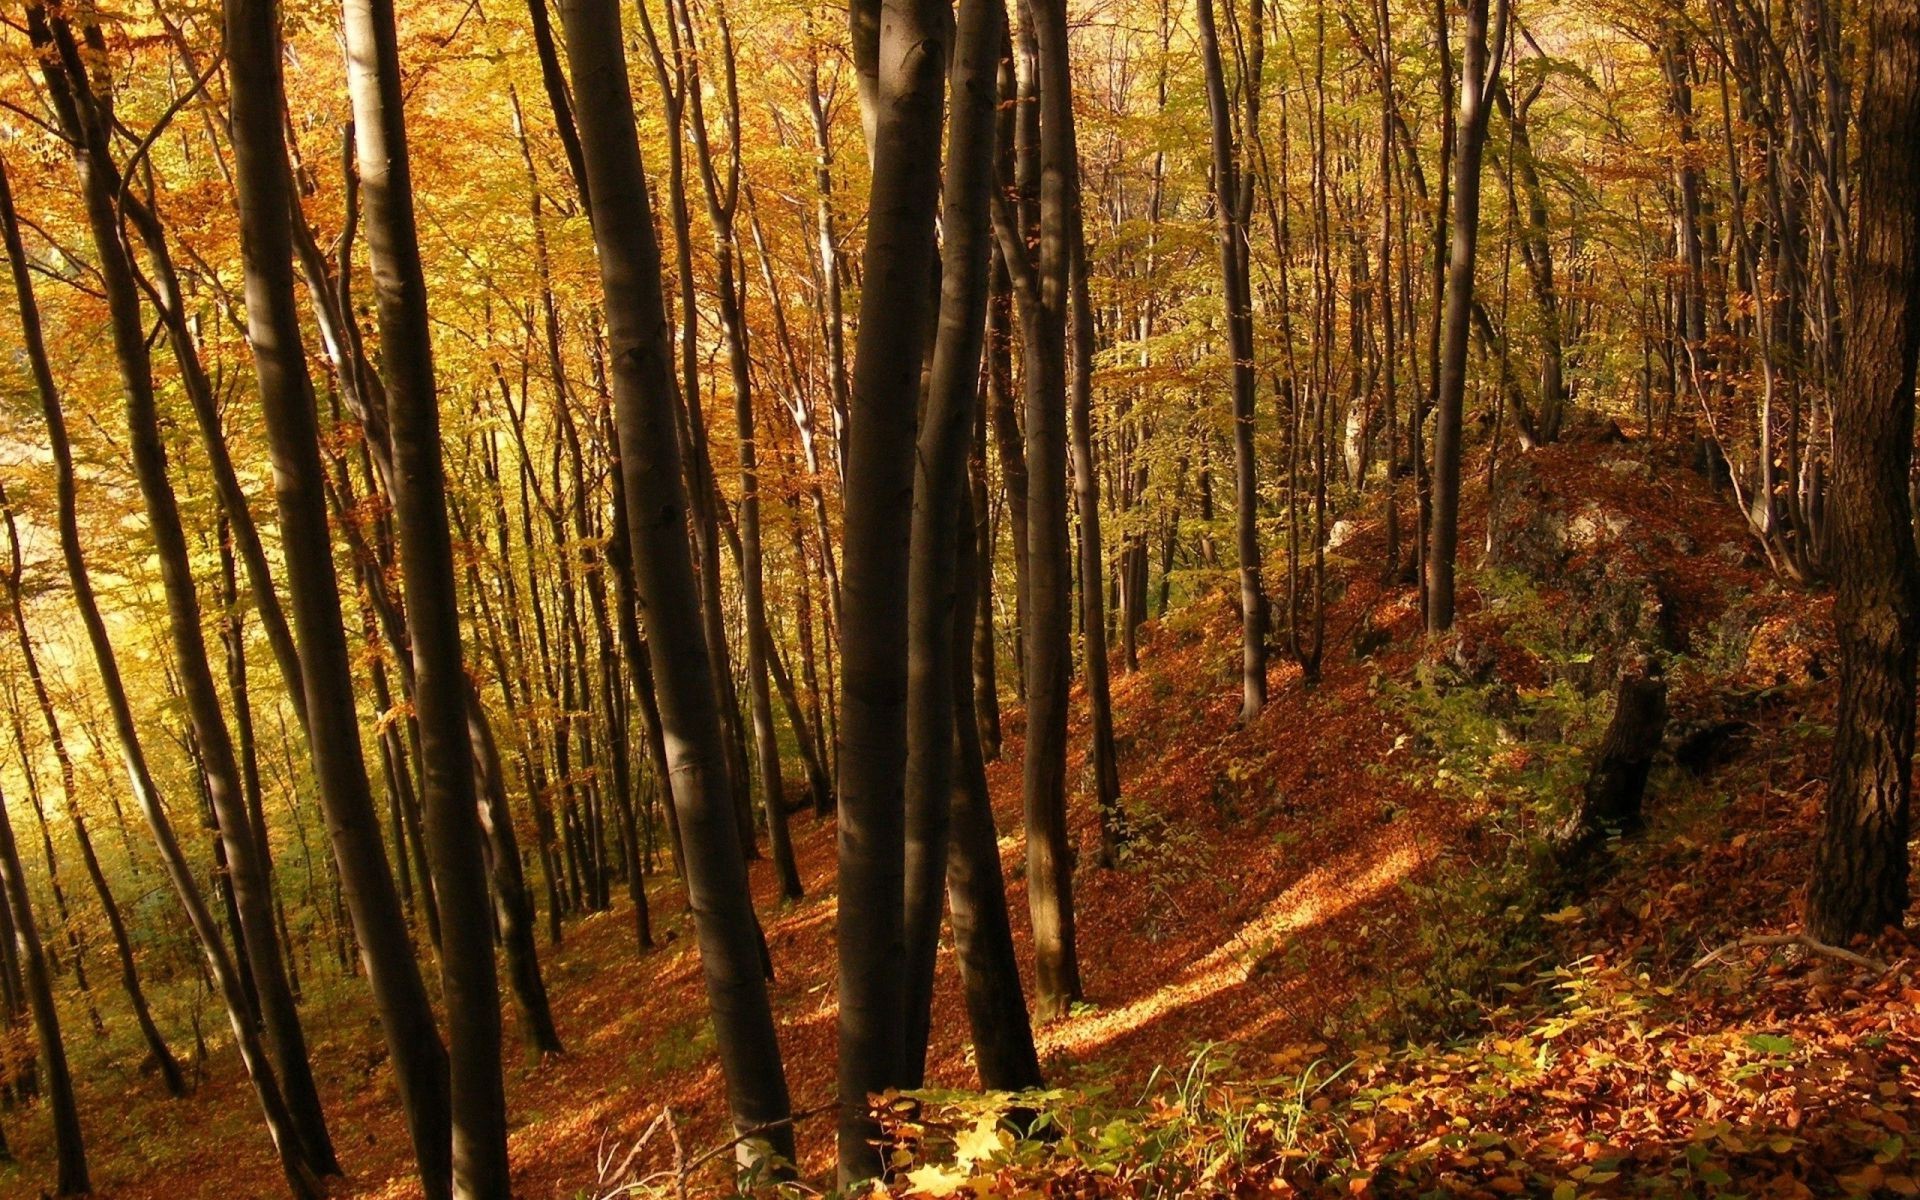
(1860, 874)
(1479, 77)
(70, 1151)
(227, 980)
(907, 91)
(85, 123)
(941, 506)
(449, 793)
(640, 353)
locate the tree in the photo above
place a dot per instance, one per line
(906, 90)
(1860, 873)
(941, 507)
(1042, 284)
(85, 126)
(266, 201)
(450, 796)
(1232, 198)
(640, 357)
(220, 965)
(70, 1150)
(1479, 79)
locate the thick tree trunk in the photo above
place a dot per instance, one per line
(286, 395)
(911, 60)
(641, 356)
(1860, 875)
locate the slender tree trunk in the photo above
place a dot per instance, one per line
(1231, 233)
(80, 114)
(641, 356)
(941, 507)
(450, 796)
(70, 1152)
(220, 965)
(1479, 77)
(163, 1059)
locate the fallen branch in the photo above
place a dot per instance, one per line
(1810, 944)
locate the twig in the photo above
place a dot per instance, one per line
(708, 1156)
(679, 1155)
(1804, 941)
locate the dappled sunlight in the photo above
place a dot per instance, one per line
(1315, 901)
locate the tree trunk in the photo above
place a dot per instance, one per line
(1480, 75)
(286, 393)
(1860, 875)
(1611, 803)
(914, 39)
(86, 125)
(641, 356)
(449, 794)
(1236, 289)
(163, 1059)
(940, 507)
(70, 1150)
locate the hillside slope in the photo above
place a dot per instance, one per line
(1334, 955)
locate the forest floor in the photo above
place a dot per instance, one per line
(1330, 959)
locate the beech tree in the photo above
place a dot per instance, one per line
(640, 355)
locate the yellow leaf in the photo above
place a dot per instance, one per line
(980, 1143)
(936, 1180)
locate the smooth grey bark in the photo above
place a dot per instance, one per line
(449, 793)
(908, 88)
(265, 198)
(640, 357)
(941, 506)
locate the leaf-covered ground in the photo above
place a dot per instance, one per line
(1330, 960)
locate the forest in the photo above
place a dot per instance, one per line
(996, 598)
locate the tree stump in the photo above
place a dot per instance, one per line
(1611, 804)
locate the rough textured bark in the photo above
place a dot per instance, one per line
(1860, 874)
(640, 354)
